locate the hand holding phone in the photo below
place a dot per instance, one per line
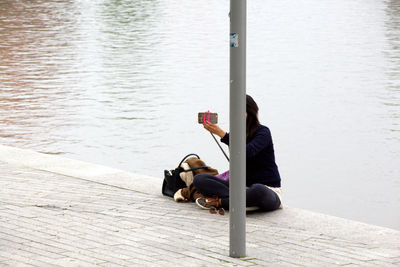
(209, 121)
(207, 116)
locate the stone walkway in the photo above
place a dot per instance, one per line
(48, 219)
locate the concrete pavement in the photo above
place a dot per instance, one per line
(58, 211)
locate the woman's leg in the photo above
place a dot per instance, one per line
(211, 186)
(261, 196)
(256, 195)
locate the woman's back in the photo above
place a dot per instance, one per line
(260, 159)
(260, 166)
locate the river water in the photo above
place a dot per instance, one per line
(120, 83)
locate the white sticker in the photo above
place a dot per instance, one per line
(234, 40)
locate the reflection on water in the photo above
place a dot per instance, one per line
(392, 53)
(120, 82)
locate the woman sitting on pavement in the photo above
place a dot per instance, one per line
(263, 181)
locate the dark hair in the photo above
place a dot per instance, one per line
(252, 122)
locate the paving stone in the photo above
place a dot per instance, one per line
(18, 260)
(13, 263)
(375, 263)
(348, 254)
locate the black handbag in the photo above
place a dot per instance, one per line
(172, 179)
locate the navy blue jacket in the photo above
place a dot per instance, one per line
(260, 159)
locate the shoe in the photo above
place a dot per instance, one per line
(208, 203)
(214, 210)
(221, 211)
(254, 208)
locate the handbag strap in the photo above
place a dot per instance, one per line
(187, 157)
(196, 168)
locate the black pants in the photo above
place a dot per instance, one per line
(256, 195)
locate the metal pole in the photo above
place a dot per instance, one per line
(237, 121)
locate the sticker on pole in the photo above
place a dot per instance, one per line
(234, 40)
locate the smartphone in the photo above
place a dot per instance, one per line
(208, 116)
